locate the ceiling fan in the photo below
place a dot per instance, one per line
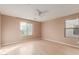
(40, 12)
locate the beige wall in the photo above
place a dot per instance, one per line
(11, 32)
(0, 30)
(53, 30)
(49, 30)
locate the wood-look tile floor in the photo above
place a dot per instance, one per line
(39, 47)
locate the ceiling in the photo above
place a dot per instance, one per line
(29, 11)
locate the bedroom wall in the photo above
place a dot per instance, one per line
(11, 30)
(0, 30)
(53, 30)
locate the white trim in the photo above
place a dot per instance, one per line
(10, 43)
(18, 42)
(62, 43)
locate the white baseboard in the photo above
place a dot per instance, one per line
(18, 42)
(10, 43)
(62, 43)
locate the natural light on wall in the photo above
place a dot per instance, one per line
(25, 28)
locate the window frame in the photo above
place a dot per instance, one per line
(65, 29)
(27, 24)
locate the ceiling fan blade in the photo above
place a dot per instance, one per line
(40, 13)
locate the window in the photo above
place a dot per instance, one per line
(25, 28)
(72, 28)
